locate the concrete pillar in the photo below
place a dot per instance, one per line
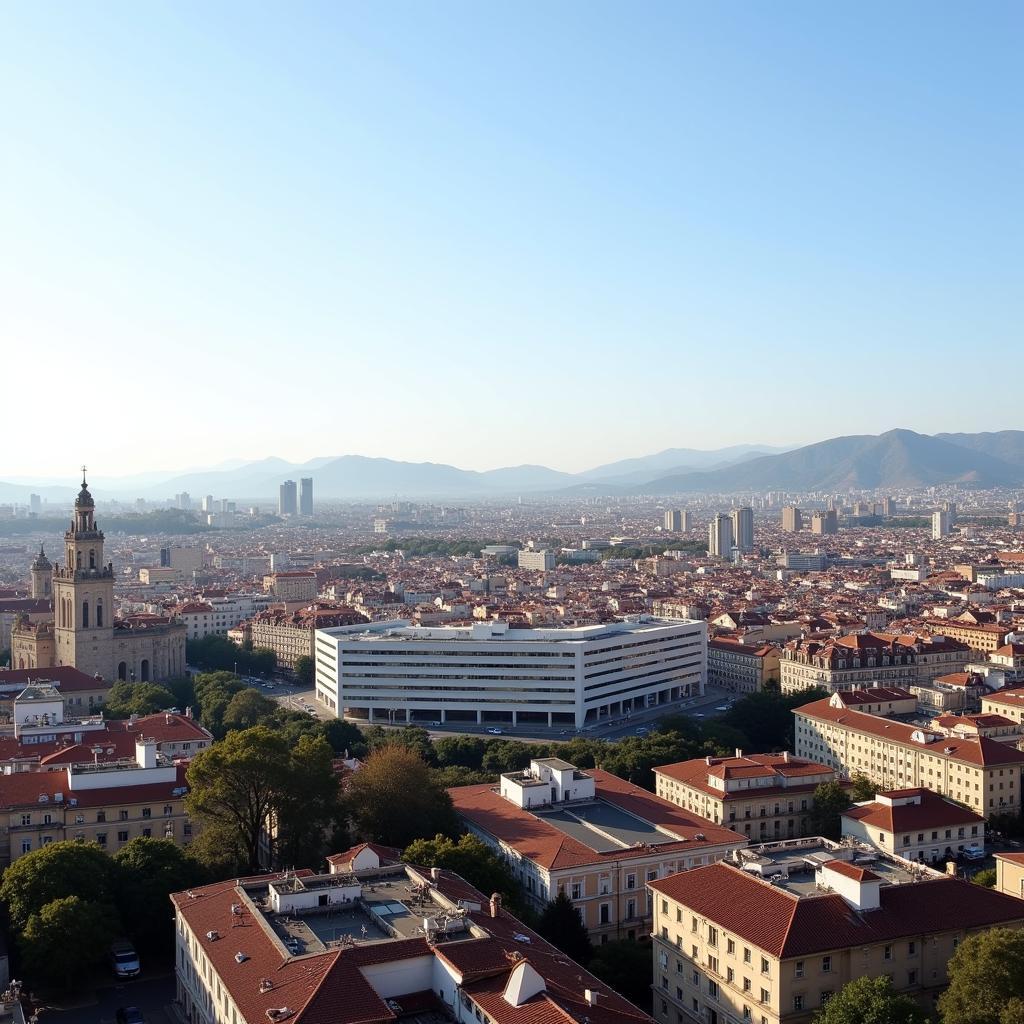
(515, 720)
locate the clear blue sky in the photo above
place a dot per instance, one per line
(488, 234)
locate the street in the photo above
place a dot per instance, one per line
(153, 996)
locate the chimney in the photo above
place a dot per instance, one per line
(591, 994)
(435, 874)
(739, 752)
(188, 711)
(709, 760)
(785, 755)
(495, 904)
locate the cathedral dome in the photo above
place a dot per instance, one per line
(41, 563)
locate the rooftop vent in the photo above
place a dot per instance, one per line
(241, 957)
(266, 984)
(213, 936)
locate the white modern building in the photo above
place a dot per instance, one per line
(720, 537)
(540, 560)
(487, 673)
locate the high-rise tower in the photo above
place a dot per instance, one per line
(83, 594)
(306, 496)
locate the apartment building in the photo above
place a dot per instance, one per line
(720, 538)
(792, 519)
(290, 635)
(742, 520)
(979, 636)
(772, 937)
(490, 672)
(982, 774)
(1010, 874)
(80, 692)
(291, 586)
(915, 824)
(370, 944)
(538, 561)
(1006, 704)
(209, 615)
(592, 836)
(106, 802)
(767, 797)
(860, 660)
(742, 667)
(825, 522)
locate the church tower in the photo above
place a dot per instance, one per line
(83, 595)
(42, 577)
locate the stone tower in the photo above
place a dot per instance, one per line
(42, 576)
(83, 595)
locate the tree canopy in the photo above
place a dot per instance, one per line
(66, 940)
(870, 1000)
(986, 979)
(561, 924)
(305, 670)
(126, 699)
(470, 858)
(830, 800)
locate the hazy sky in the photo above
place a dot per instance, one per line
(487, 233)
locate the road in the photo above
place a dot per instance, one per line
(700, 708)
(153, 996)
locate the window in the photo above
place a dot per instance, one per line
(694, 925)
(798, 1002)
(911, 949)
(746, 985)
(630, 881)
(764, 965)
(124, 815)
(713, 964)
(26, 819)
(765, 995)
(887, 953)
(147, 833)
(606, 913)
(712, 989)
(26, 845)
(730, 975)
(577, 890)
(746, 955)
(101, 816)
(147, 812)
(664, 906)
(122, 837)
(101, 838)
(799, 971)
(730, 946)
(826, 965)
(911, 977)
(712, 936)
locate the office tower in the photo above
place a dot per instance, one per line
(183, 501)
(208, 503)
(825, 522)
(35, 504)
(940, 525)
(673, 520)
(887, 507)
(286, 502)
(949, 507)
(743, 528)
(306, 496)
(792, 520)
(720, 536)
(684, 522)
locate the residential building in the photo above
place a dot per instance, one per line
(592, 836)
(773, 937)
(290, 635)
(979, 636)
(940, 525)
(1010, 874)
(539, 561)
(742, 521)
(489, 672)
(673, 520)
(720, 539)
(1007, 703)
(765, 796)
(216, 615)
(792, 519)
(825, 522)
(287, 504)
(982, 774)
(306, 496)
(803, 561)
(79, 692)
(291, 586)
(915, 824)
(188, 560)
(742, 667)
(370, 945)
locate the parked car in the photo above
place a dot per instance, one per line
(495, 731)
(974, 852)
(130, 1015)
(642, 731)
(124, 960)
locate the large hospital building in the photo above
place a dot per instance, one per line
(489, 673)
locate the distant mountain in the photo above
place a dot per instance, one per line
(1007, 445)
(673, 460)
(896, 459)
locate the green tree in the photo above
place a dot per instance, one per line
(862, 789)
(830, 800)
(393, 799)
(66, 940)
(509, 756)
(344, 736)
(561, 924)
(766, 717)
(253, 783)
(247, 708)
(52, 872)
(148, 871)
(311, 804)
(126, 699)
(305, 670)
(214, 691)
(626, 967)
(986, 979)
(412, 737)
(453, 775)
(870, 1000)
(985, 878)
(471, 859)
(460, 751)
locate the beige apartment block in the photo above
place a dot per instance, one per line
(592, 836)
(291, 586)
(767, 797)
(983, 774)
(1010, 874)
(741, 667)
(773, 936)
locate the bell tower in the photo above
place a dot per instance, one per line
(83, 594)
(42, 576)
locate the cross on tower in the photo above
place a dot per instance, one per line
(83, 475)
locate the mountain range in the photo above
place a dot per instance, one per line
(897, 459)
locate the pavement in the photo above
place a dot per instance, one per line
(153, 995)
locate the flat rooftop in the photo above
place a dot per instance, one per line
(791, 865)
(603, 826)
(391, 906)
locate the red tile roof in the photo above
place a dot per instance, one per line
(932, 812)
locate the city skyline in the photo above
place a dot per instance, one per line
(387, 216)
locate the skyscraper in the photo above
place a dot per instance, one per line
(673, 520)
(720, 536)
(743, 528)
(286, 502)
(684, 521)
(940, 525)
(825, 522)
(792, 520)
(306, 496)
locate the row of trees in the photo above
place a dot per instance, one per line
(217, 652)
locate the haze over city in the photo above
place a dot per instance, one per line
(495, 235)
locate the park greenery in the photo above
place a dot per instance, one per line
(216, 652)
(869, 1000)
